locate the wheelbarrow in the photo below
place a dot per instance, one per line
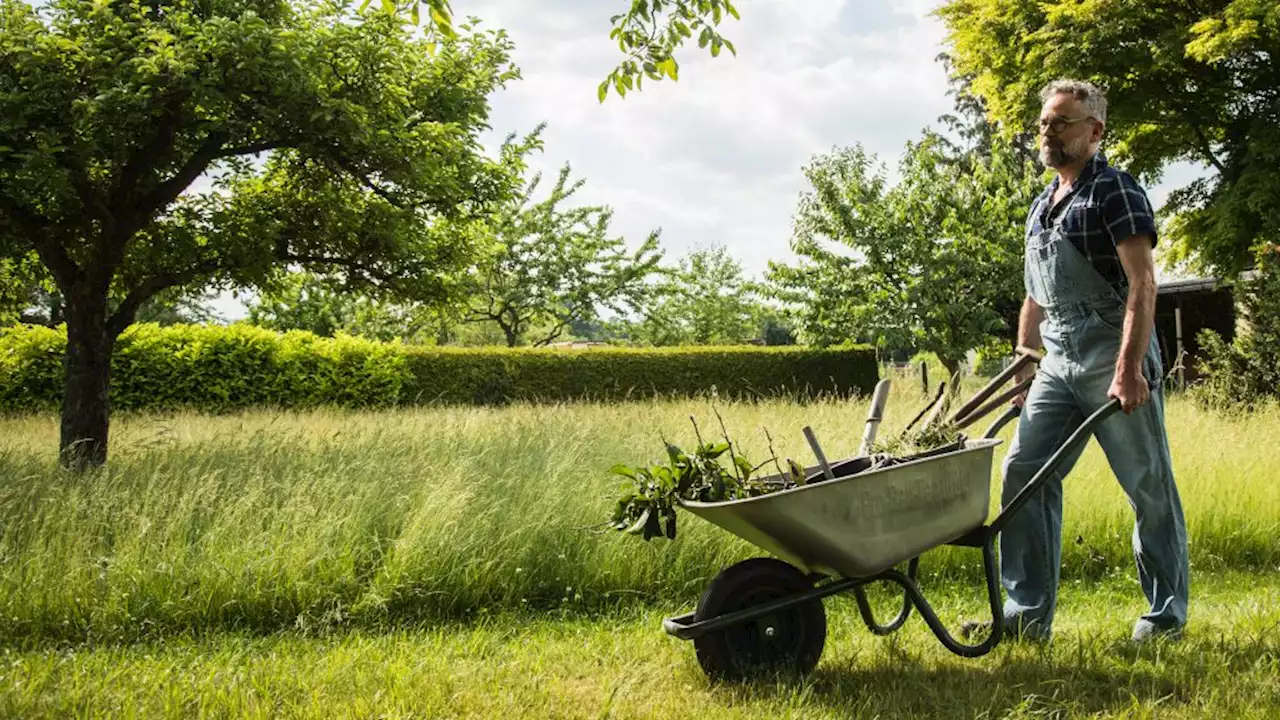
(850, 525)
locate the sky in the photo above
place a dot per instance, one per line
(717, 157)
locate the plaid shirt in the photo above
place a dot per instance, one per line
(1104, 207)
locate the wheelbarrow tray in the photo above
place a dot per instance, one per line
(865, 521)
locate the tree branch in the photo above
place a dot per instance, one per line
(555, 333)
(54, 256)
(1206, 148)
(84, 190)
(148, 156)
(349, 263)
(125, 314)
(166, 192)
(364, 180)
(255, 148)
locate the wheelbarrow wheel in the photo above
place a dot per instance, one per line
(787, 641)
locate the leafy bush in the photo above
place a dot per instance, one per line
(1246, 372)
(991, 358)
(208, 368)
(217, 369)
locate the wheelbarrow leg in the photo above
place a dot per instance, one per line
(868, 616)
(940, 630)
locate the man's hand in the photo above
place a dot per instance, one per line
(1026, 371)
(1029, 320)
(1132, 389)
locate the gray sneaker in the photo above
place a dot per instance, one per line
(1145, 631)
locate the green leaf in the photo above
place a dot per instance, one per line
(442, 22)
(744, 466)
(603, 90)
(712, 452)
(668, 67)
(623, 470)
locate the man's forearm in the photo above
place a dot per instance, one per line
(1029, 324)
(1139, 317)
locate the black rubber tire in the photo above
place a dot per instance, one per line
(787, 642)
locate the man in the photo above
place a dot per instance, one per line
(1090, 303)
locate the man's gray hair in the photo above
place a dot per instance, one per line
(1089, 95)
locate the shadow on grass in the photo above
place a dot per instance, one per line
(1081, 677)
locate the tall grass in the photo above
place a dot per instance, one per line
(262, 521)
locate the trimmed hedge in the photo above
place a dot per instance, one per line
(217, 369)
(497, 375)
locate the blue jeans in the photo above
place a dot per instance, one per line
(1070, 385)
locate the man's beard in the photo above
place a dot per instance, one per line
(1056, 154)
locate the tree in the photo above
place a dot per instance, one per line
(705, 300)
(109, 112)
(925, 263)
(321, 305)
(1245, 372)
(1185, 81)
(555, 266)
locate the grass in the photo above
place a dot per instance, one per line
(448, 562)
(265, 521)
(623, 666)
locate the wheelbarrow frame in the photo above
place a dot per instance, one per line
(686, 627)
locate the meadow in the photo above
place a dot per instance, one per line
(450, 562)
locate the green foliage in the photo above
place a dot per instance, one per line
(318, 304)
(931, 263)
(1245, 373)
(20, 280)
(650, 32)
(109, 115)
(554, 266)
(242, 366)
(1185, 82)
(500, 375)
(647, 506)
(110, 111)
(705, 300)
(209, 368)
(991, 357)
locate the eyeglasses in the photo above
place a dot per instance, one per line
(1059, 124)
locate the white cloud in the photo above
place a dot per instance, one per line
(717, 156)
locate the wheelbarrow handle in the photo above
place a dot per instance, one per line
(1081, 435)
(995, 427)
(967, 411)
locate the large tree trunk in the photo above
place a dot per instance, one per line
(85, 407)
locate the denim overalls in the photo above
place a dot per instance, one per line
(1081, 334)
